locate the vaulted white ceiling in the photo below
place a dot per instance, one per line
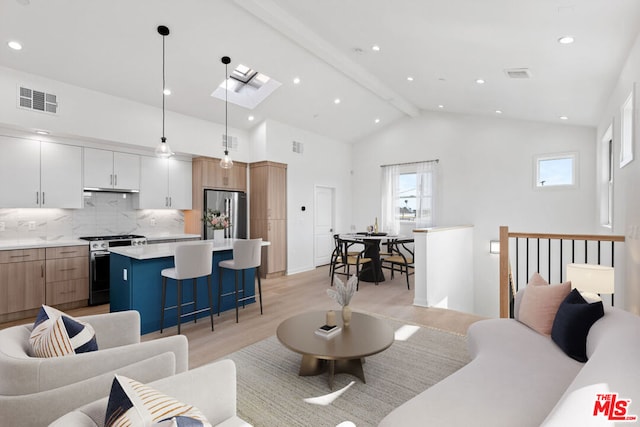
(112, 46)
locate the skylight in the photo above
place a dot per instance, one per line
(247, 87)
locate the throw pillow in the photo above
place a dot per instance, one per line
(540, 304)
(58, 334)
(535, 280)
(133, 404)
(572, 323)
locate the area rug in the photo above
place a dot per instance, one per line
(270, 392)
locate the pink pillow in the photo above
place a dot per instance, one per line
(540, 304)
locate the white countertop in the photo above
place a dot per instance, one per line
(162, 236)
(162, 250)
(39, 243)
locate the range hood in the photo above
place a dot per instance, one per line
(109, 190)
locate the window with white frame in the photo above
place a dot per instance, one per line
(626, 131)
(606, 178)
(408, 195)
(555, 170)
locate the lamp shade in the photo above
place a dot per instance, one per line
(591, 278)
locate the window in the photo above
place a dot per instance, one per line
(408, 195)
(606, 178)
(626, 129)
(555, 170)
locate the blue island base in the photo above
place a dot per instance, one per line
(137, 285)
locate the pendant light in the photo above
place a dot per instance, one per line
(163, 150)
(226, 162)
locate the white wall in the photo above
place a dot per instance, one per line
(486, 180)
(324, 162)
(86, 114)
(626, 195)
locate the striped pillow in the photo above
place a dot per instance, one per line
(133, 404)
(58, 334)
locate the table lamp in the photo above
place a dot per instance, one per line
(591, 278)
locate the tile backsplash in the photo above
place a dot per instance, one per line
(103, 214)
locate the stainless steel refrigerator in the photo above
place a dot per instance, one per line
(232, 203)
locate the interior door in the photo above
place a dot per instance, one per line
(323, 224)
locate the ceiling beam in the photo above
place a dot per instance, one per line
(282, 21)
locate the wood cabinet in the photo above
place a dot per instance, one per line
(36, 174)
(67, 274)
(268, 200)
(164, 183)
(207, 174)
(22, 280)
(111, 169)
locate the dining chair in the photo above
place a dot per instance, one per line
(400, 258)
(191, 262)
(343, 260)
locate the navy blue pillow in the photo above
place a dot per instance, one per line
(572, 323)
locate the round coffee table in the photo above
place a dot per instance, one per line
(343, 353)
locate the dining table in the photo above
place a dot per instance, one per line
(371, 271)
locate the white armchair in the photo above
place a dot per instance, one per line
(29, 385)
(210, 388)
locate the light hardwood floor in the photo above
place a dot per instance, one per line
(286, 296)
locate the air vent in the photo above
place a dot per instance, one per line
(233, 143)
(31, 99)
(298, 147)
(518, 73)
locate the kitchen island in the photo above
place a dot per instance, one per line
(136, 283)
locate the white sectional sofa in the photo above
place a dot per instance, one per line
(518, 377)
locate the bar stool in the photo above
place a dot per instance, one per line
(246, 254)
(191, 262)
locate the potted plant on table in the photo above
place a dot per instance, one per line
(342, 294)
(216, 220)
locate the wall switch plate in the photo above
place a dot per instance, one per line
(153, 222)
(124, 274)
(31, 225)
(1, 225)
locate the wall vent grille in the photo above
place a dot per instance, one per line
(233, 142)
(518, 73)
(31, 99)
(297, 147)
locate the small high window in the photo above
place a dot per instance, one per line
(555, 170)
(626, 129)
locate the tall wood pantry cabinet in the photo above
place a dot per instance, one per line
(268, 213)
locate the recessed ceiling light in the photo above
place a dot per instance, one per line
(410, 78)
(42, 132)
(498, 111)
(480, 81)
(336, 101)
(167, 91)
(14, 45)
(375, 48)
(441, 106)
(566, 40)
(564, 118)
(296, 80)
(250, 118)
(376, 121)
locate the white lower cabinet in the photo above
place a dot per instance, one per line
(164, 184)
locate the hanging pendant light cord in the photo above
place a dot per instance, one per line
(163, 89)
(226, 109)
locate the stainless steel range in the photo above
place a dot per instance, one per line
(99, 262)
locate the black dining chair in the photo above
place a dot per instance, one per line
(400, 258)
(343, 257)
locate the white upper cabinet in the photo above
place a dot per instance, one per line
(180, 177)
(106, 169)
(39, 174)
(164, 183)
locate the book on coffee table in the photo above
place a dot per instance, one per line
(327, 331)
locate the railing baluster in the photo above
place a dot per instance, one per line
(585, 251)
(517, 265)
(561, 259)
(573, 251)
(549, 264)
(598, 252)
(538, 255)
(527, 258)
